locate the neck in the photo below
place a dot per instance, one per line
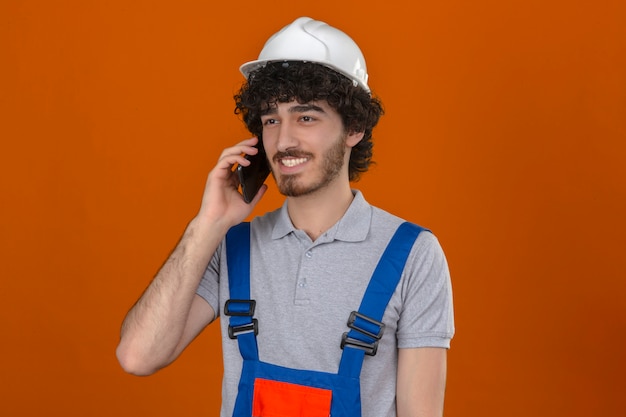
(318, 212)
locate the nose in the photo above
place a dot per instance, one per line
(286, 137)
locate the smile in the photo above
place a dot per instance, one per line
(292, 162)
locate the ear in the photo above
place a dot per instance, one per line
(354, 138)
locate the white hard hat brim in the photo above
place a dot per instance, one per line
(247, 68)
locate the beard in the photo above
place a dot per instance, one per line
(331, 166)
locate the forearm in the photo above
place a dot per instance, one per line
(152, 332)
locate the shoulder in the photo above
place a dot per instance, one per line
(384, 222)
(426, 258)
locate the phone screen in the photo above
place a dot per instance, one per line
(253, 176)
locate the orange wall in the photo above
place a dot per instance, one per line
(504, 133)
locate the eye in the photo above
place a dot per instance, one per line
(307, 118)
(270, 122)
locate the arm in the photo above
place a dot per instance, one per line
(169, 314)
(421, 382)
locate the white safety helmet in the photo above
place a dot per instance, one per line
(313, 41)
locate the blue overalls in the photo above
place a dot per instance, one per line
(267, 390)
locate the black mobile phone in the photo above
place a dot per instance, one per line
(253, 176)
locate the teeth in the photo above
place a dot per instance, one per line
(293, 162)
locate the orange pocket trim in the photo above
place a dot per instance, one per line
(280, 399)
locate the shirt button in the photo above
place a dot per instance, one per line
(309, 254)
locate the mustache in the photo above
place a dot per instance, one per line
(291, 154)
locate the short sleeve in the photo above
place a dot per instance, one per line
(427, 315)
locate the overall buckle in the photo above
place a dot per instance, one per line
(371, 329)
(241, 308)
(234, 331)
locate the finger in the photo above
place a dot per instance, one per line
(245, 147)
(227, 162)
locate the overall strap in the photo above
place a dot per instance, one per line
(366, 324)
(239, 307)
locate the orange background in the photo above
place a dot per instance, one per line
(504, 133)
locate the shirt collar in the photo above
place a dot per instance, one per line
(352, 227)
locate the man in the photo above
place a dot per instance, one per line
(310, 261)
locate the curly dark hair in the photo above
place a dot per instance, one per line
(282, 82)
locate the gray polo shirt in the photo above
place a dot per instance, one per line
(306, 290)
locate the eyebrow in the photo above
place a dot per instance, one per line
(300, 108)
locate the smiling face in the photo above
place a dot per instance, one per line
(309, 82)
(307, 146)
